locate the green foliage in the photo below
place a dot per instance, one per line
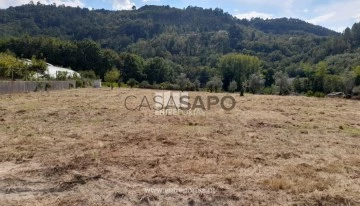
(297, 86)
(145, 85)
(256, 83)
(270, 90)
(158, 43)
(89, 74)
(214, 85)
(112, 76)
(12, 67)
(357, 75)
(315, 94)
(319, 94)
(159, 70)
(132, 66)
(132, 82)
(349, 82)
(232, 87)
(238, 67)
(282, 81)
(197, 85)
(183, 82)
(333, 83)
(62, 76)
(356, 91)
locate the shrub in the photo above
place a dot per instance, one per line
(132, 82)
(79, 83)
(309, 93)
(356, 91)
(233, 87)
(270, 90)
(319, 94)
(197, 85)
(145, 85)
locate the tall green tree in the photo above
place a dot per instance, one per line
(238, 67)
(112, 76)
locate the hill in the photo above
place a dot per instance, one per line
(190, 40)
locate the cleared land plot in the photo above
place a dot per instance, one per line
(82, 147)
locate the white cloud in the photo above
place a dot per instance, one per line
(337, 14)
(122, 4)
(146, 1)
(73, 3)
(254, 14)
(322, 18)
(357, 17)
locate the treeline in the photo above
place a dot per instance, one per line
(156, 45)
(191, 37)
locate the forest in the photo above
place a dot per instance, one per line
(187, 49)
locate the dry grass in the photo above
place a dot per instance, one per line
(82, 147)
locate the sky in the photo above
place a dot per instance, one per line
(333, 14)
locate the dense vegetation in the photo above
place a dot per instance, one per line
(159, 46)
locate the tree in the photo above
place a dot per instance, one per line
(112, 76)
(281, 80)
(256, 83)
(210, 86)
(215, 84)
(12, 67)
(159, 70)
(89, 74)
(132, 82)
(183, 82)
(197, 85)
(297, 85)
(232, 87)
(132, 66)
(357, 75)
(349, 82)
(238, 67)
(320, 73)
(37, 65)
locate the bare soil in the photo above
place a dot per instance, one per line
(83, 147)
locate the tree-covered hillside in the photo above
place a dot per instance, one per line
(170, 41)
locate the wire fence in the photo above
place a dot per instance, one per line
(8, 87)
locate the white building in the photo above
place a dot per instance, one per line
(52, 71)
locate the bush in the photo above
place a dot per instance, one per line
(319, 94)
(108, 84)
(169, 86)
(132, 82)
(309, 93)
(269, 90)
(315, 94)
(233, 87)
(145, 85)
(79, 83)
(356, 91)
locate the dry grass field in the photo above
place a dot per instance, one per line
(82, 147)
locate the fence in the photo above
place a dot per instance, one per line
(8, 87)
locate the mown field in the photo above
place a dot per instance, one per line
(83, 147)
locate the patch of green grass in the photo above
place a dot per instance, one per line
(354, 132)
